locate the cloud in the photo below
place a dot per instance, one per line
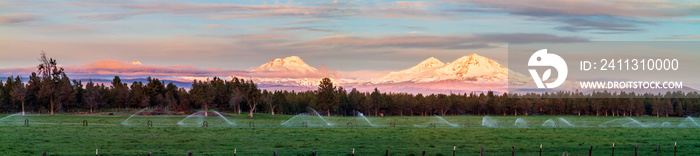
(262, 36)
(478, 41)
(587, 15)
(213, 26)
(300, 28)
(110, 68)
(681, 37)
(415, 32)
(17, 18)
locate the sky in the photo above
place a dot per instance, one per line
(199, 38)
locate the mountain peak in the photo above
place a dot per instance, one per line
(472, 65)
(291, 63)
(292, 58)
(430, 62)
(466, 68)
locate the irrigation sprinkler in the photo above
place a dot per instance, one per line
(304, 124)
(433, 125)
(85, 123)
(353, 152)
(658, 148)
(43, 153)
(513, 151)
(97, 152)
(205, 124)
(590, 151)
(674, 148)
(482, 151)
(387, 152)
(234, 151)
(635, 149)
(313, 153)
(189, 153)
(454, 150)
(423, 153)
(613, 150)
(275, 153)
(149, 123)
(251, 124)
(540, 149)
(26, 122)
(392, 125)
(349, 124)
(150, 154)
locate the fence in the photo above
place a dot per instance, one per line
(483, 151)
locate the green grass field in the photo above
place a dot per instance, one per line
(64, 135)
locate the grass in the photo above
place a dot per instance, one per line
(410, 137)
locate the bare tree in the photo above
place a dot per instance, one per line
(92, 96)
(253, 97)
(236, 99)
(19, 92)
(51, 77)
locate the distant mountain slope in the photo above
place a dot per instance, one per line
(467, 68)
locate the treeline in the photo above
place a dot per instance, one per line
(51, 90)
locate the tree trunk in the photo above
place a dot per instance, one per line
(272, 111)
(328, 112)
(239, 108)
(206, 110)
(22, 107)
(52, 106)
(252, 109)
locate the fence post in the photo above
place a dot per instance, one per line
(43, 153)
(613, 150)
(540, 149)
(482, 151)
(423, 153)
(658, 148)
(275, 154)
(513, 151)
(387, 152)
(454, 150)
(635, 149)
(590, 151)
(313, 153)
(149, 153)
(674, 148)
(189, 153)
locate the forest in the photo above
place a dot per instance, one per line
(50, 90)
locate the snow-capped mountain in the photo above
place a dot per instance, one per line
(470, 73)
(467, 68)
(423, 68)
(288, 64)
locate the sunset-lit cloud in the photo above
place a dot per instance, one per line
(198, 39)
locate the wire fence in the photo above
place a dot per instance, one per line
(481, 151)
